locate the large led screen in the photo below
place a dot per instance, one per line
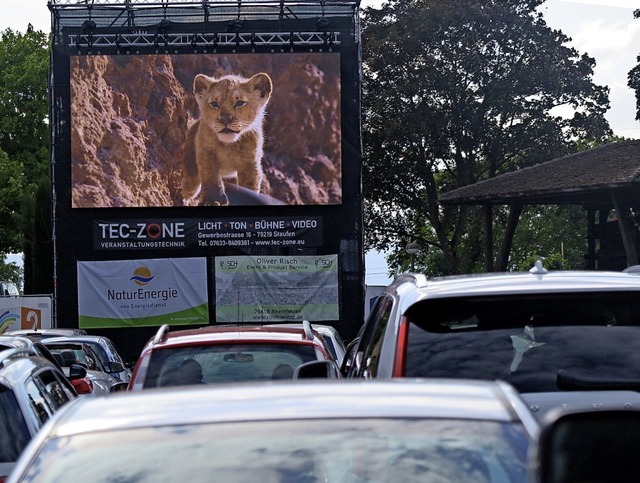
(205, 130)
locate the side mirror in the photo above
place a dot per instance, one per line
(115, 366)
(599, 446)
(119, 386)
(317, 370)
(76, 371)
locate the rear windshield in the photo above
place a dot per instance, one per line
(378, 450)
(226, 363)
(537, 343)
(14, 434)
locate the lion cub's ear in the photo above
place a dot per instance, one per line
(201, 83)
(262, 84)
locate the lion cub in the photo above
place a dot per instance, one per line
(227, 139)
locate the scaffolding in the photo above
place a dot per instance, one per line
(122, 26)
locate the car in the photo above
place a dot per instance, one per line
(46, 333)
(70, 352)
(548, 333)
(32, 389)
(226, 353)
(588, 445)
(291, 431)
(75, 373)
(107, 355)
(331, 337)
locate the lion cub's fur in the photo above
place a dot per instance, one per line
(227, 139)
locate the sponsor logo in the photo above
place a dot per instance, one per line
(142, 276)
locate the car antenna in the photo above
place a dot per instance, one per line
(538, 269)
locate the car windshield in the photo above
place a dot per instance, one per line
(226, 363)
(372, 450)
(536, 343)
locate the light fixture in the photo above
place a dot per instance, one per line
(412, 249)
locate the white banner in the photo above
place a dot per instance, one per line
(135, 293)
(276, 288)
(25, 312)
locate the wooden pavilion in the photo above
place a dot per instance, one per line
(604, 180)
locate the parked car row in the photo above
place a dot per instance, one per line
(494, 378)
(32, 389)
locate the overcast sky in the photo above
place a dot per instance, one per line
(605, 29)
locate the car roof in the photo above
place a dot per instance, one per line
(416, 287)
(46, 332)
(17, 365)
(230, 333)
(320, 399)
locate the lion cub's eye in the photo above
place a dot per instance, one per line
(214, 104)
(239, 103)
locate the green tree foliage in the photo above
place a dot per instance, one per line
(24, 106)
(633, 78)
(38, 247)
(24, 134)
(10, 271)
(11, 189)
(454, 92)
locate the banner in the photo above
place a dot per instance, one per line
(136, 293)
(276, 288)
(25, 312)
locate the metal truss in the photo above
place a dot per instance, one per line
(202, 40)
(181, 3)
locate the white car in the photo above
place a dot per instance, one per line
(559, 337)
(329, 431)
(331, 337)
(68, 352)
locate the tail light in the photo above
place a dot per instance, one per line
(82, 386)
(400, 357)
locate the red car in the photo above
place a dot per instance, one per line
(223, 354)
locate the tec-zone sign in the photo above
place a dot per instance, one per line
(208, 233)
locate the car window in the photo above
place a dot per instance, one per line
(38, 402)
(537, 343)
(114, 352)
(58, 391)
(227, 362)
(372, 336)
(14, 432)
(99, 354)
(373, 450)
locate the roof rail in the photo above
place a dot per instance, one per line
(162, 332)
(16, 353)
(308, 330)
(418, 279)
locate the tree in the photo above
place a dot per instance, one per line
(24, 131)
(38, 243)
(633, 78)
(454, 92)
(24, 102)
(11, 189)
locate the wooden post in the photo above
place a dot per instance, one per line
(627, 231)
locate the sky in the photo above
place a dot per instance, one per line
(604, 29)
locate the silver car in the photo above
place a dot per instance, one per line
(108, 355)
(305, 431)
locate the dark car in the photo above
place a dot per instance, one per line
(549, 334)
(32, 389)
